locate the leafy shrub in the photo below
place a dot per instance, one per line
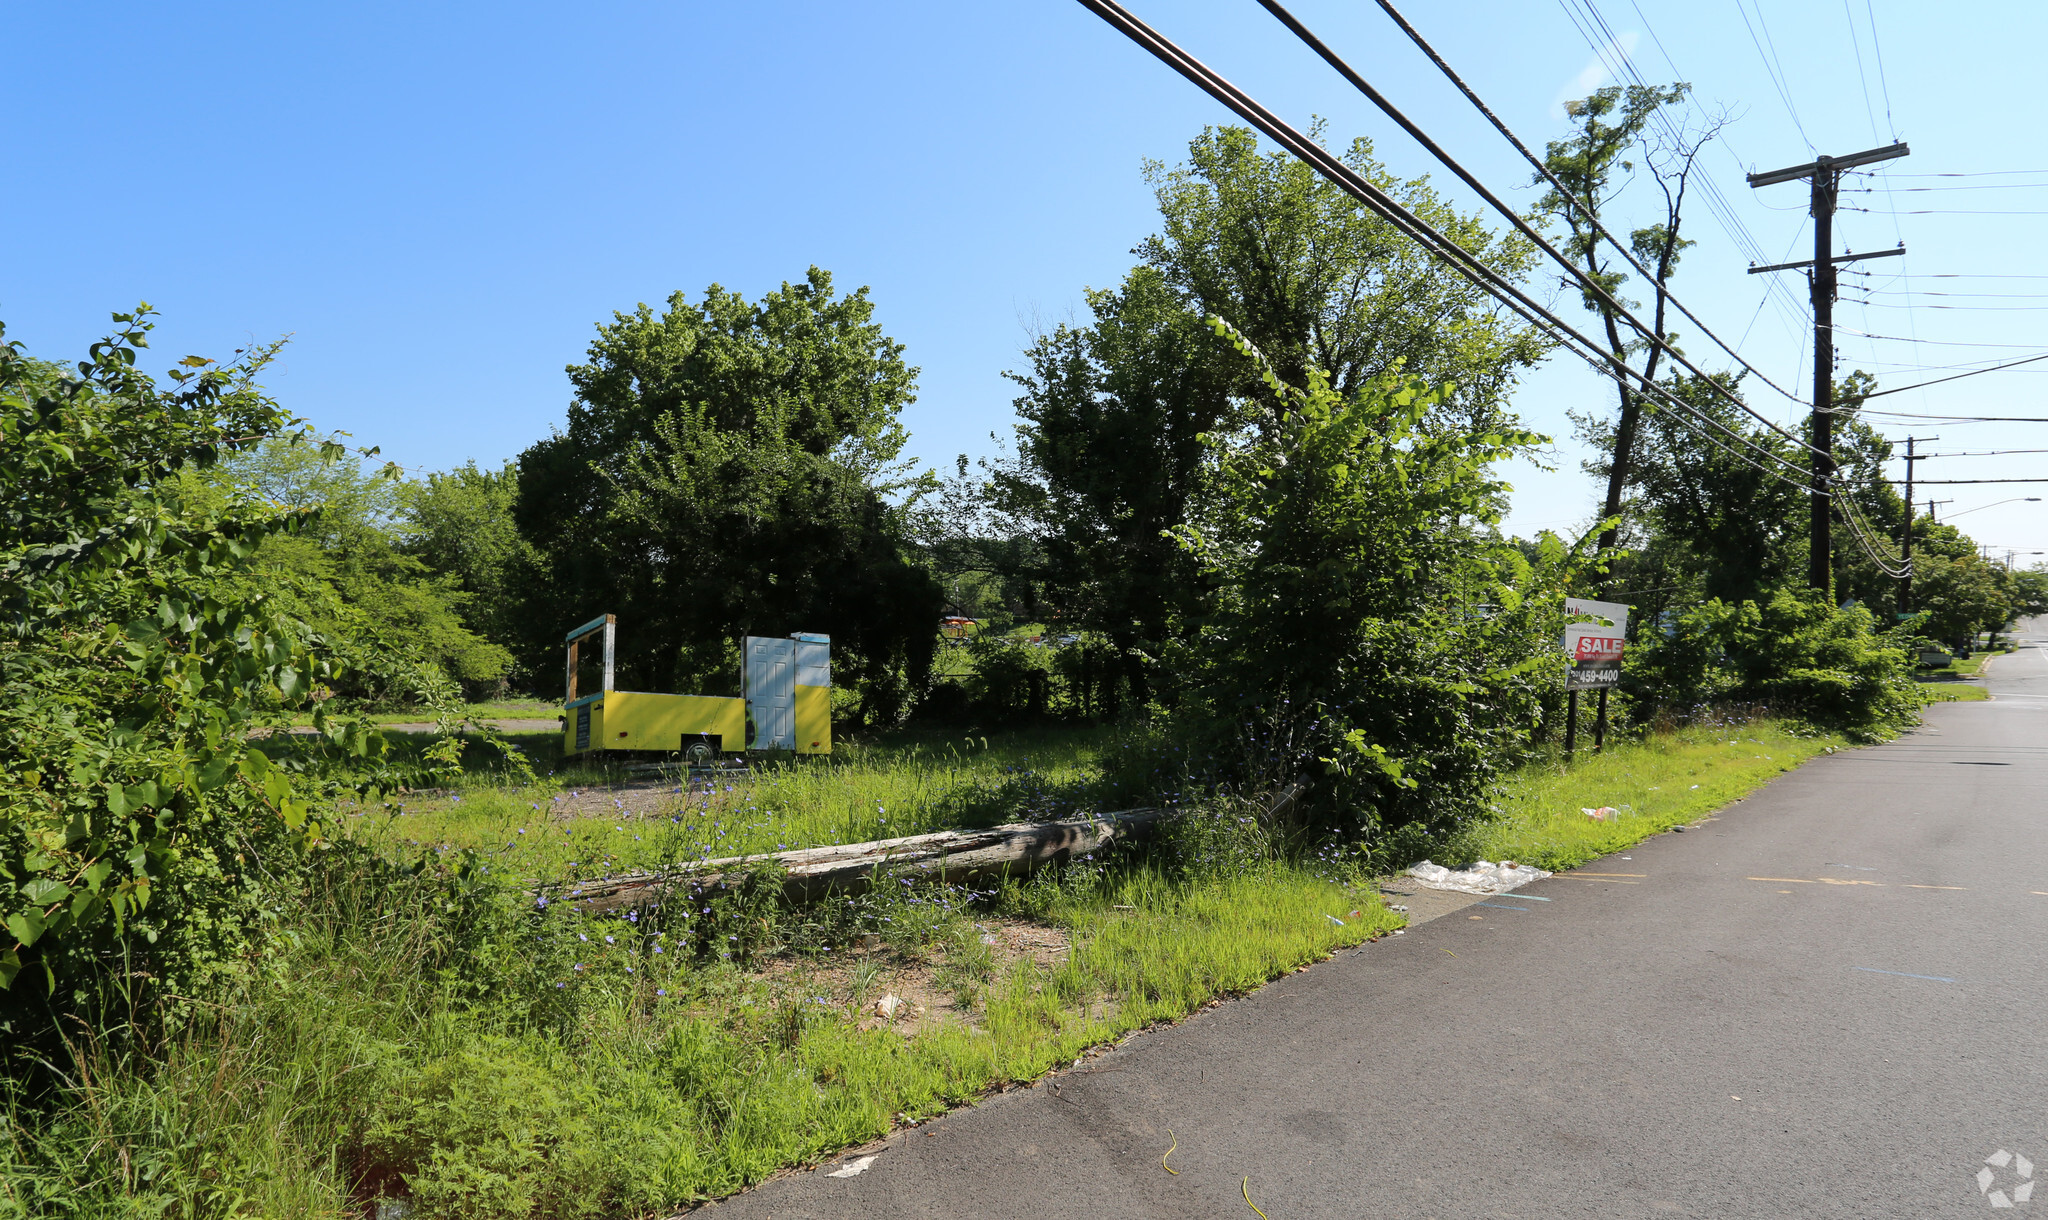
(1793, 653)
(1369, 638)
(153, 814)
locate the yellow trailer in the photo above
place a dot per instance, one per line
(788, 699)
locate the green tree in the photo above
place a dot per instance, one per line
(459, 524)
(1313, 278)
(1349, 540)
(143, 828)
(2029, 592)
(1109, 450)
(1108, 455)
(1705, 518)
(1959, 592)
(732, 467)
(346, 572)
(1611, 123)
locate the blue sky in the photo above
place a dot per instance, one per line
(439, 202)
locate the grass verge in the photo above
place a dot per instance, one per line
(431, 1035)
(1666, 780)
(430, 1029)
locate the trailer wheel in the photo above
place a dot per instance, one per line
(699, 752)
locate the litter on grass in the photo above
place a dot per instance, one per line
(853, 1168)
(1485, 877)
(1602, 814)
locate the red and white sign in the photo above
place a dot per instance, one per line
(1596, 647)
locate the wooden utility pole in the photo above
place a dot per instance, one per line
(1824, 174)
(1906, 543)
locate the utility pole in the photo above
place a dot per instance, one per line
(1906, 543)
(1825, 176)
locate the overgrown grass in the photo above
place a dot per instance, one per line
(1951, 690)
(433, 1030)
(1664, 780)
(501, 709)
(908, 785)
(405, 1048)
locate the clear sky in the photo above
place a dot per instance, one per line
(439, 202)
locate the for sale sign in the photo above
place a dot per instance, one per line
(1596, 657)
(1595, 647)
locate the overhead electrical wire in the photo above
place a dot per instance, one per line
(1970, 372)
(1883, 85)
(1724, 213)
(1856, 45)
(1980, 186)
(1890, 562)
(1934, 342)
(1980, 453)
(1456, 257)
(1772, 68)
(1586, 281)
(1508, 134)
(1971, 308)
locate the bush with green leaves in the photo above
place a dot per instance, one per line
(1793, 653)
(1371, 637)
(153, 816)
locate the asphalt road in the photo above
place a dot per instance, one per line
(1828, 1000)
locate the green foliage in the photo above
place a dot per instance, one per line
(1793, 654)
(1710, 521)
(396, 622)
(433, 1035)
(459, 523)
(141, 827)
(729, 466)
(1652, 782)
(1350, 646)
(1956, 592)
(2029, 592)
(1313, 278)
(1108, 458)
(1609, 124)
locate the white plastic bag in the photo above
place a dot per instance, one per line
(1485, 877)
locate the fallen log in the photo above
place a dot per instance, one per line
(810, 873)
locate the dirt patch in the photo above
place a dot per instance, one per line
(863, 975)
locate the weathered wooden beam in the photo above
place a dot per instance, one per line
(947, 855)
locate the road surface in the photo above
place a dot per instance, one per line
(1828, 1000)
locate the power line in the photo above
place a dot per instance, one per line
(1982, 453)
(2011, 364)
(1724, 214)
(1981, 186)
(1485, 278)
(1883, 85)
(1772, 68)
(1969, 308)
(1944, 212)
(1856, 45)
(1591, 285)
(1564, 193)
(1934, 342)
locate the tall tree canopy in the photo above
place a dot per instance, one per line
(730, 467)
(1109, 451)
(1312, 277)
